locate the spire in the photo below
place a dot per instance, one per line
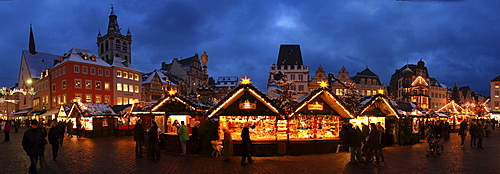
(128, 31)
(99, 34)
(113, 22)
(32, 41)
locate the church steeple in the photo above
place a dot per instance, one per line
(32, 41)
(113, 22)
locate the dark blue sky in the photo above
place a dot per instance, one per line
(458, 40)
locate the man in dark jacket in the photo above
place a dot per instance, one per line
(54, 138)
(473, 133)
(33, 142)
(246, 142)
(138, 138)
(373, 144)
(153, 143)
(462, 132)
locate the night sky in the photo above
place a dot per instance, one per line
(458, 40)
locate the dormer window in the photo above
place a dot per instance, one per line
(85, 56)
(92, 57)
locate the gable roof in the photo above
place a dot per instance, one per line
(228, 105)
(329, 98)
(378, 105)
(78, 55)
(39, 62)
(93, 109)
(122, 63)
(175, 103)
(496, 79)
(366, 74)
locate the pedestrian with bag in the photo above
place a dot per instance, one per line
(54, 139)
(32, 144)
(138, 138)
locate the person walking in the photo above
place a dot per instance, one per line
(17, 124)
(62, 127)
(480, 134)
(69, 128)
(7, 130)
(462, 132)
(473, 133)
(32, 144)
(246, 142)
(138, 138)
(54, 138)
(373, 143)
(78, 129)
(41, 126)
(183, 136)
(381, 131)
(153, 141)
(228, 145)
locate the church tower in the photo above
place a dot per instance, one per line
(114, 44)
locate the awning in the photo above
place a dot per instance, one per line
(50, 112)
(22, 112)
(37, 112)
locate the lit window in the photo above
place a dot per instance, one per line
(130, 76)
(125, 75)
(107, 99)
(118, 73)
(106, 86)
(125, 101)
(118, 86)
(98, 98)
(119, 101)
(64, 84)
(125, 87)
(88, 84)
(130, 101)
(98, 85)
(136, 89)
(78, 96)
(64, 99)
(130, 88)
(136, 77)
(88, 98)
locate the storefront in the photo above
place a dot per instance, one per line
(315, 125)
(96, 119)
(379, 109)
(247, 104)
(169, 111)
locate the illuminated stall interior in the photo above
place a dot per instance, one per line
(248, 104)
(318, 116)
(98, 119)
(175, 107)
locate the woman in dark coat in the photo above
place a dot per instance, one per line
(54, 138)
(373, 144)
(246, 142)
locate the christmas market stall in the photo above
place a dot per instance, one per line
(93, 119)
(126, 120)
(168, 113)
(378, 109)
(412, 123)
(247, 104)
(452, 113)
(315, 124)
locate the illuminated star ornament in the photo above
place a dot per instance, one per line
(323, 84)
(172, 92)
(245, 81)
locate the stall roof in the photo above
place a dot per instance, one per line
(175, 103)
(229, 104)
(329, 98)
(378, 105)
(50, 112)
(92, 109)
(22, 111)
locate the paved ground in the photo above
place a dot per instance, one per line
(116, 155)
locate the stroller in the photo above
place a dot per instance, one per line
(434, 147)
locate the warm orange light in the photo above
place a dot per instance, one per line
(245, 81)
(323, 84)
(172, 92)
(380, 91)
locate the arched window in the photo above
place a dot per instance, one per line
(124, 45)
(117, 44)
(107, 45)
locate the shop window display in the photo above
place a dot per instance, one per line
(305, 127)
(264, 127)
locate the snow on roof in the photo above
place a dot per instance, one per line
(122, 63)
(39, 62)
(160, 74)
(77, 55)
(97, 109)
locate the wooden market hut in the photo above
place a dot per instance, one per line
(315, 124)
(96, 119)
(169, 109)
(245, 104)
(379, 108)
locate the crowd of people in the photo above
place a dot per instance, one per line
(364, 142)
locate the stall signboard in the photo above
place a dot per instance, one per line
(315, 106)
(248, 105)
